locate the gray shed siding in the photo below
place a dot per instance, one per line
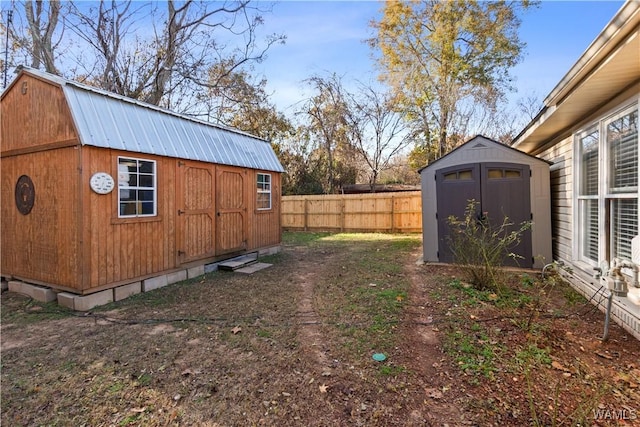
(480, 150)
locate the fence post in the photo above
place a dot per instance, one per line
(393, 221)
(342, 222)
(306, 213)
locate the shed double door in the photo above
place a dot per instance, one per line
(500, 189)
(211, 218)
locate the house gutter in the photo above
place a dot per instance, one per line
(620, 26)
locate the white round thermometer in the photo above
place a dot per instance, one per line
(102, 183)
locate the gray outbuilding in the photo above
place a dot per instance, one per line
(504, 182)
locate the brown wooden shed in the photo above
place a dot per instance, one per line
(99, 190)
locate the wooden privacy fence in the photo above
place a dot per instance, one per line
(378, 212)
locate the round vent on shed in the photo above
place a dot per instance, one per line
(25, 194)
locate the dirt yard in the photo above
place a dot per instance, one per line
(294, 344)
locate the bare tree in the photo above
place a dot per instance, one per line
(378, 130)
(439, 55)
(328, 123)
(37, 33)
(163, 55)
(529, 106)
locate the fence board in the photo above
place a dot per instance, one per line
(378, 212)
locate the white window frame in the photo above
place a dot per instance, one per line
(605, 198)
(124, 186)
(582, 200)
(263, 187)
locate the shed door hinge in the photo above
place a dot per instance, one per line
(436, 215)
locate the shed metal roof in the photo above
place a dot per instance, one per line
(107, 120)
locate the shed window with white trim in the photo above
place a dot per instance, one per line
(607, 187)
(264, 191)
(137, 194)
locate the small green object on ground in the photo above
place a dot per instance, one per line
(379, 357)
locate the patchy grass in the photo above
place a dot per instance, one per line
(293, 345)
(533, 349)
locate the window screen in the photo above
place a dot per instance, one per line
(622, 144)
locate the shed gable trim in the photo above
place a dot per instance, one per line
(482, 142)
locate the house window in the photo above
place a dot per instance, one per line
(264, 191)
(136, 187)
(622, 194)
(607, 192)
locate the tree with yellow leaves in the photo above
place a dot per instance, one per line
(445, 59)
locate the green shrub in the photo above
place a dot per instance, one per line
(480, 248)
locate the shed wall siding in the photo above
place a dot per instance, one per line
(121, 249)
(43, 245)
(265, 227)
(37, 117)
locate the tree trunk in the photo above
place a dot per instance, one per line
(42, 45)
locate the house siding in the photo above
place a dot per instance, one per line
(561, 180)
(564, 215)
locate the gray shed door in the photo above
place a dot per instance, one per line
(502, 190)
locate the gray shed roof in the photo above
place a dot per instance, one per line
(104, 119)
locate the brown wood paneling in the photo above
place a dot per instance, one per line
(231, 210)
(265, 224)
(42, 245)
(196, 210)
(34, 113)
(127, 249)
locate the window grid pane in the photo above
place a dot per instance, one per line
(624, 226)
(589, 160)
(590, 236)
(263, 199)
(622, 139)
(137, 192)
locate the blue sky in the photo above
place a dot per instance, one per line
(327, 36)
